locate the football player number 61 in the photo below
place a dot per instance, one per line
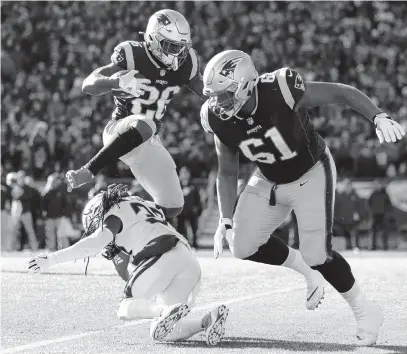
(267, 157)
(154, 97)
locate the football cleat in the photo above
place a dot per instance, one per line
(214, 324)
(369, 319)
(163, 325)
(315, 290)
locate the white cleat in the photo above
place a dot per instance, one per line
(163, 325)
(214, 324)
(315, 290)
(369, 319)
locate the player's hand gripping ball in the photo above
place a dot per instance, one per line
(131, 82)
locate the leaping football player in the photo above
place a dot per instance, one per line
(157, 68)
(266, 119)
(166, 276)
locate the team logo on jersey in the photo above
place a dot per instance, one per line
(118, 57)
(163, 19)
(250, 121)
(162, 72)
(229, 67)
(299, 84)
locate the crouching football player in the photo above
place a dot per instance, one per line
(167, 276)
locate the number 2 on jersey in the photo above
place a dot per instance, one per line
(154, 97)
(267, 157)
(153, 215)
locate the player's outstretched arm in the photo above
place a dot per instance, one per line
(99, 81)
(323, 93)
(226, 184)
(86, 247)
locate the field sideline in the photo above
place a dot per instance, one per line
(66, 312)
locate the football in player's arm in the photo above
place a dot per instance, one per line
(315, 94)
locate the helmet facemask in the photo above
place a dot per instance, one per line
(225, 104)
(228, 103)
(171, 53)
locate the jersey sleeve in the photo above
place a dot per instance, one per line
(123, 56)
(291, 85)
(205, 118)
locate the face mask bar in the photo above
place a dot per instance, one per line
(224, 104)
(173, 50)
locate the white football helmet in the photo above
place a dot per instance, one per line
(168, 36)
(229, 79)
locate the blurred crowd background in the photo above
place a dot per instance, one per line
(49, 126)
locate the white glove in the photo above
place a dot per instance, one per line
(224, 230)
(38, 264)
(132, 84)
(387, 129)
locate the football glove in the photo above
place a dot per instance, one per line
(38, 264)
(223, 231)
(77, 178)
(132, 84)
(387, 129)
(111, 251)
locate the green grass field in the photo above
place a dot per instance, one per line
(66, 312)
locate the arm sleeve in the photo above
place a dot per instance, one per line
(86, 247)
(123, 56)
(292, 86)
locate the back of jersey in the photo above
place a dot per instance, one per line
(142, 222)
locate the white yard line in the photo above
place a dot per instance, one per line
(72, 337)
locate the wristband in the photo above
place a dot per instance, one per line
(227, 222)
(381, 115)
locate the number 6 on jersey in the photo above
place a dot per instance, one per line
(267, 157)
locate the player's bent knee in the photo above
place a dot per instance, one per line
(123, 313)
(171, 213)
(132, 309)
(240, 252)
(314, 259)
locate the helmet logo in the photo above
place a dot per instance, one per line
(163, 20)
(229, 67)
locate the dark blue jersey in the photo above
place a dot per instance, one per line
(165, 83)
(280, 140)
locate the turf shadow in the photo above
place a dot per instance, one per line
(290, 346)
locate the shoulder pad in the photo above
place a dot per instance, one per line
(123, 54)
(291, 85)
(205, 118)
(195, 63)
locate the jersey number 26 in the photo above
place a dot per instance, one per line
(154, 102)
